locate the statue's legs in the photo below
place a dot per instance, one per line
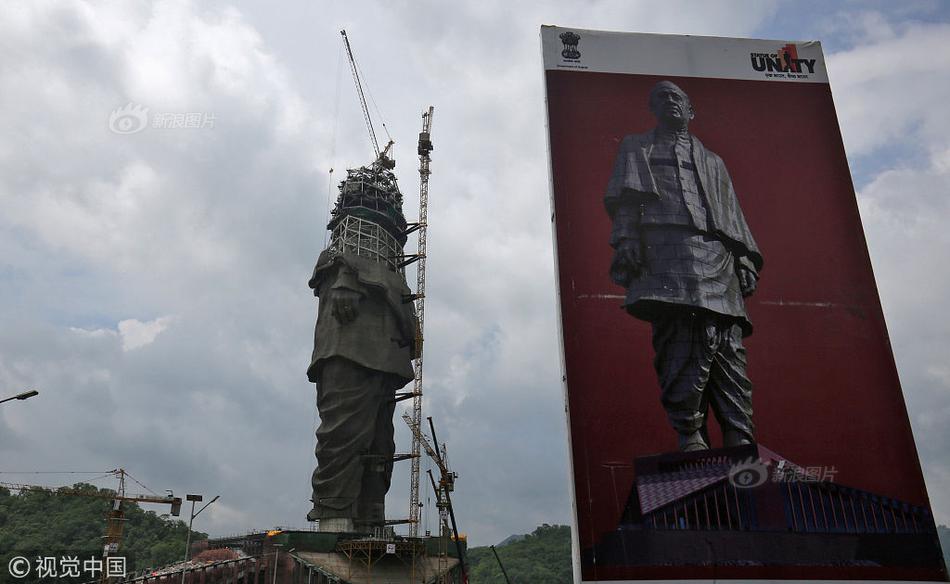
(354, 438)
(729, 390)
(700, 362)
(377, 469)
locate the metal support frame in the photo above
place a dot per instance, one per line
(366, 239)
(370, 551)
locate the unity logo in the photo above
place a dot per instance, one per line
(570, 40)
(785, 60)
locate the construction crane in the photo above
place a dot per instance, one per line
(382, 157)
(444, 528)
(424, 148)
(115, 521)
(445, 486)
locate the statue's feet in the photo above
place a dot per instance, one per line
(336, 524)
(693, 442)
(732, 438)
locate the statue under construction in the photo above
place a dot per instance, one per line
(363, 349)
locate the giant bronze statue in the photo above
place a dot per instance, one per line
(362, 350)
(686, 257)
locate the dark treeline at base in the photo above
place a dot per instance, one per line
(36, 523)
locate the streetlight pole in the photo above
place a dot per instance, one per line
(21, 396)
(194, 499)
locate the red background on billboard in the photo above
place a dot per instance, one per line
(826, 391)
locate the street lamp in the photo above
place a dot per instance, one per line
(21, 396)
(195, 499)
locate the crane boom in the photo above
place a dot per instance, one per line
(418, 436)
(168, 499)
(359, 90)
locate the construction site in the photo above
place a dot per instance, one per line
(366, 224)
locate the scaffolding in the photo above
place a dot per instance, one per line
(368, 551)
(367, 219)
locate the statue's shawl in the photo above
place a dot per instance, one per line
(632, 181)
(383, 336)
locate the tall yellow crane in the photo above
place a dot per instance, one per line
(115, 521)
(424, 148)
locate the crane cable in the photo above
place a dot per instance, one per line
(141, 485)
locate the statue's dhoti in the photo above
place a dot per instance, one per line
(355, 444)
(701, 363)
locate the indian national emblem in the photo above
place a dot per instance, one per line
(570, 40)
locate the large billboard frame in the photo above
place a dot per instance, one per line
(598, 92)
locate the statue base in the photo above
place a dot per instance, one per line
(748, 512)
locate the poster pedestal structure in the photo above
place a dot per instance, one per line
(748, 506)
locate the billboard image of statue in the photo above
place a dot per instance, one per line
(687, 259)
(700, 186)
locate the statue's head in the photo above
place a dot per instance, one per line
(671, 105)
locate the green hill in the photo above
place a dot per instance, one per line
(542, 556)
(545, 556)
(44, 524)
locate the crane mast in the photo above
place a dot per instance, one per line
(425, 147)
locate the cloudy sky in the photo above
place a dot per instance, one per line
(153, 284)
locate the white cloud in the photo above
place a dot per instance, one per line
(891, 88)
(905, 210)
(136, 334)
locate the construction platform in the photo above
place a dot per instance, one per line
(361, 559)
(313, 557)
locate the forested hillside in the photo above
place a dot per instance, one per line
(35, 523)
(542, 556)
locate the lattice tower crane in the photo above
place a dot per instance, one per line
(444, 488)
(425, 147)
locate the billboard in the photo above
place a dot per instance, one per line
(733, 404)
